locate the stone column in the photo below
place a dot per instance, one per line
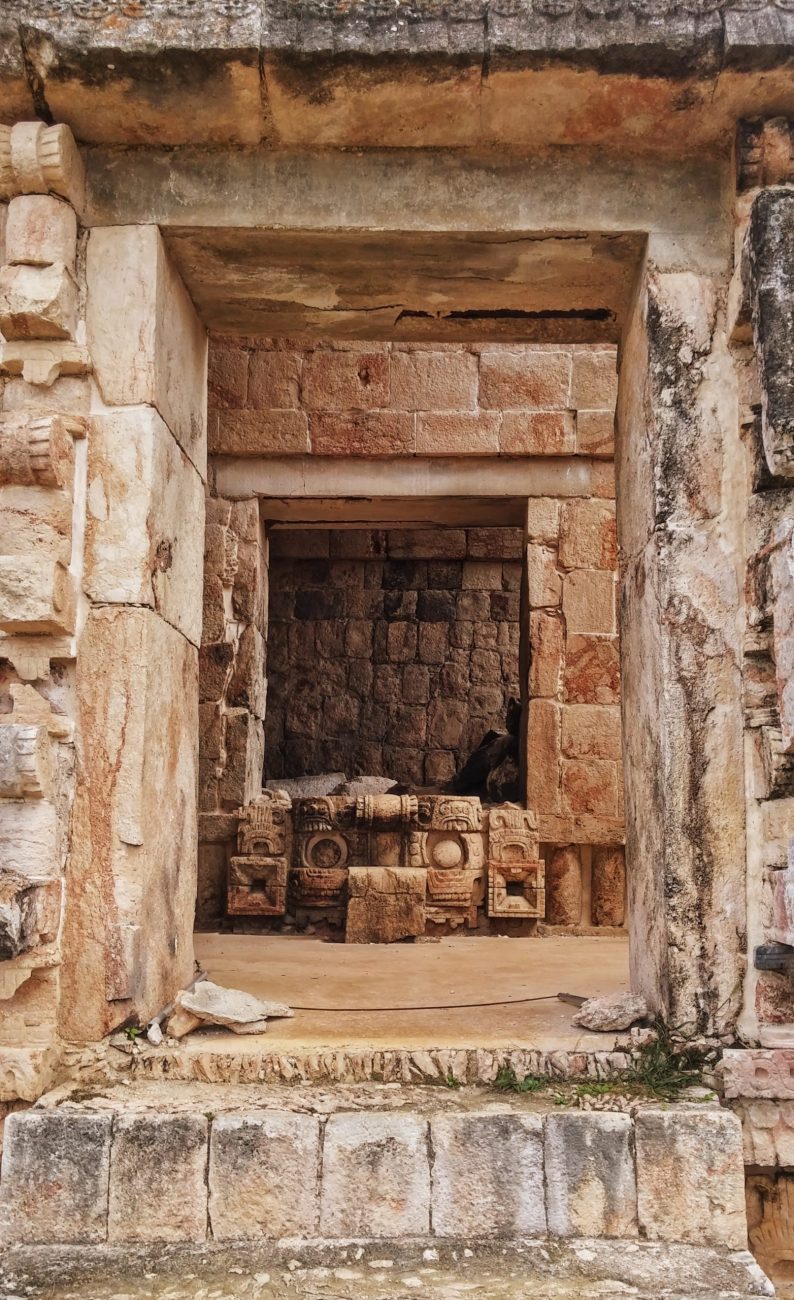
(132, 877)
(680, 490)
(45, 398)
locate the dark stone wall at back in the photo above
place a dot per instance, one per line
(389, 653)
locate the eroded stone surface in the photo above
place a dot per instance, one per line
(55, 1178)
(487, 1175)
(263, 1176)
(690, 1177)
(590, 1181)
(157, 1179)
(376, 1176)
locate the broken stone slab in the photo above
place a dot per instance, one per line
(307, 787)
(611, 1013)
(211, 1004)
(366, 785)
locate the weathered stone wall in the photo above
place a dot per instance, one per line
(389, 653)
(761, 321)
(102, 461)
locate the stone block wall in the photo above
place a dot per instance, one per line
(288, 397)
(390, 653)
(437, 1171)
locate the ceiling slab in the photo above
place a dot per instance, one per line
(404, 286)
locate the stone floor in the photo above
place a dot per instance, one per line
(578, 1270)
(436, 986)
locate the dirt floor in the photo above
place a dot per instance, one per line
(473, 992)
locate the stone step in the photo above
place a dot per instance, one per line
(196, 1163)
(519, 1270)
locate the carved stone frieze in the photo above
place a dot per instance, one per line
(258, 871)
(302, 857)
(515, 871)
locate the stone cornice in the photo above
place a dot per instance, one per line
(680, 28)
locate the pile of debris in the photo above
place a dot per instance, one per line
(205, 1004)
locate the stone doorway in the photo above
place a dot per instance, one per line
(402, 609)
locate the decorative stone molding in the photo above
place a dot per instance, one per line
(39, 159)
(758, 1072)
(42, 361)
(24, 761)
(38, 451)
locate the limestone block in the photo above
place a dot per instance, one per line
(768, 1132)
(28, 844)
(26, 1073)
(345, 381)
(487, 1175)
(588, 539)
(547, 641)
(55, 1177)
(37, 302)
(376, 1176)
(591, 1190)
(42, 361)
(157, 1178)
(25, 762)
(592, 670)
(544, 584)
(144, 541)
(782, 569)
(524, 380)
(690, 1176)
(758, 1072)
(609, 885)
(248, 685)
(39, 159)
(160, 356)
(263, 1176)
(537, 433)
(564, 887)
(241, 781)
(543, 520)
(595, 433)
(40, 231)
(433, 381)
(29, 913)
(543, 756)
(594, 382)
(588, 601)
(128, 917)
(36, 595)
(38, 450)
(384, 904)
(591, 731)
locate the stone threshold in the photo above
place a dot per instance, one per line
(226, 1058)
(497, 1270)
